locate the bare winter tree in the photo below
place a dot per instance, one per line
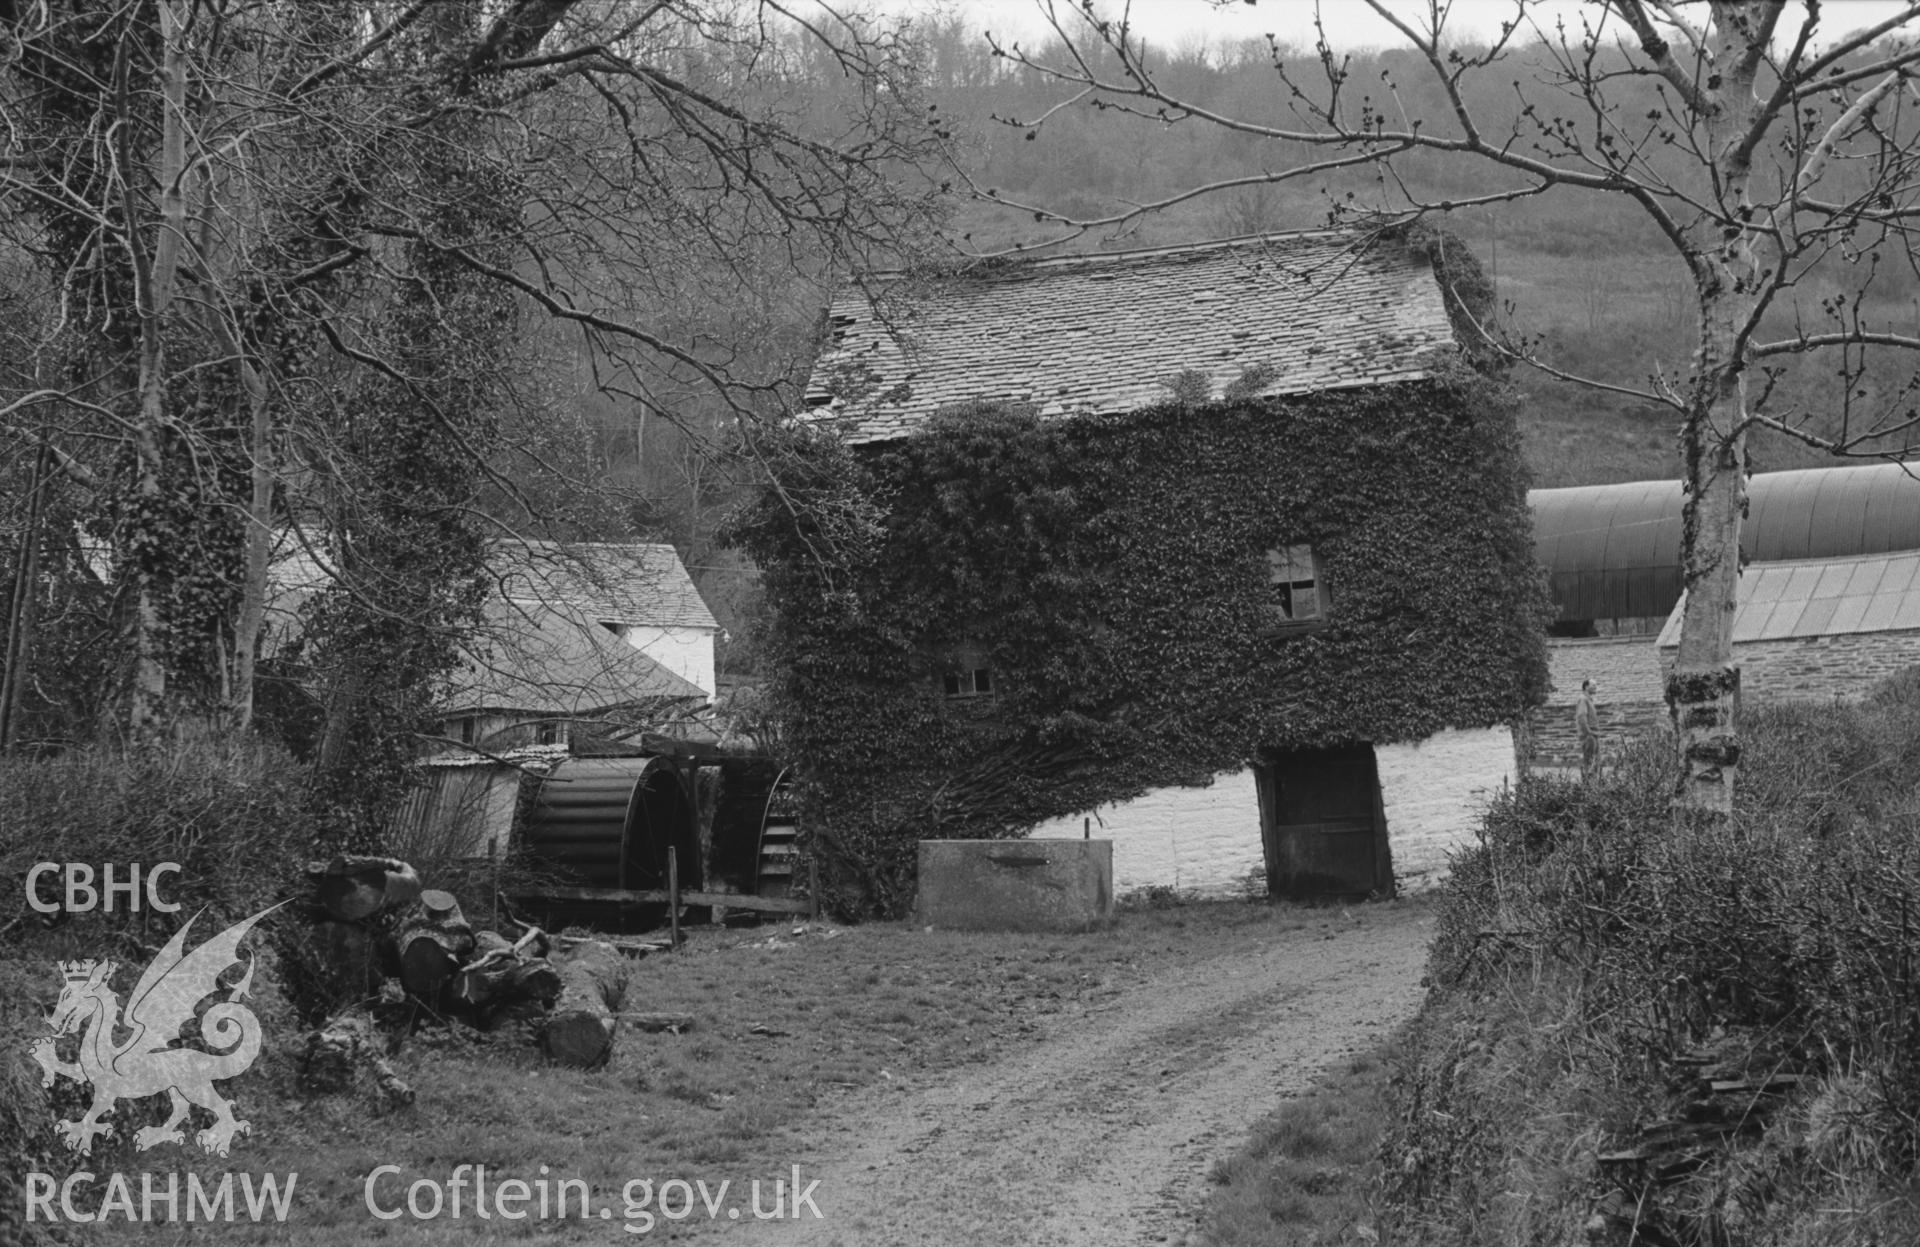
(320, 263)
(1777, 157)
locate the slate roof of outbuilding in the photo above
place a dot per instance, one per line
(633, 583)
(628, 583)
(1821, 597)
(555, 660)
(1101, 334)
(544, 645)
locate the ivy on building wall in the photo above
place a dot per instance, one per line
(1112, 574)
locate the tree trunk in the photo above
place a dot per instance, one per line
(345, 695)
(18, 655)
(433, 942)
(499, 981)
(1703, 689)
(155, 300)
(352, 888)
(253, 591)
(579, 1031)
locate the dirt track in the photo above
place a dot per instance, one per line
(1101, 1131)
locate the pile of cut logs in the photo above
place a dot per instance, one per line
(415, 956)
(1728, 1089)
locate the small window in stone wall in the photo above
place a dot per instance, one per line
(971, 682)
(966, 673)
(1298, 592)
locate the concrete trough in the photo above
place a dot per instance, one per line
(1016, 885)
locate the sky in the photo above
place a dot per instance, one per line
(1349, 23)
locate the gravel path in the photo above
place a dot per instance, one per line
(1100, 1133)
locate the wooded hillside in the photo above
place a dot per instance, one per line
(1584, 275)
(652, 232)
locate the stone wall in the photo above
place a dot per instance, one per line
(1206, 841)
(1202, 841)
(1631, 700)
(1632, 675)
(1821, 667)
(1434, 792)
(1017, 885)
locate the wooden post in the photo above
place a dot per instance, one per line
(673, 894)
(813, 890)
(493, 869)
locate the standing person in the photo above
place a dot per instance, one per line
(1586, 722)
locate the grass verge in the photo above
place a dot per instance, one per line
(1309, 1175)
(1653, 1030)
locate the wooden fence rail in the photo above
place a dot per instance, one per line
(656, 896)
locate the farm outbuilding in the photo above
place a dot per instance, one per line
(1222, 469)
(1818, 628)
(571, 635)
(545, 673)
(467, 804)
(1612, 552)
(637, 591)
(1613, 555)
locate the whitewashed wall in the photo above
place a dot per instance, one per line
(1206, 841)
(1434, 792)
(687, 652)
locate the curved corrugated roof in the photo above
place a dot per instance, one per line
(1613, 551)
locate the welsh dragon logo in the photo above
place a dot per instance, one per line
(149, 1060)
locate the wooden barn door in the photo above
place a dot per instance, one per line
(1321, 819)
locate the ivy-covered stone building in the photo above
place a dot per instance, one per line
(1218, 551)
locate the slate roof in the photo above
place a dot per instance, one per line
(1099, 334)
(1822, 597)
(555, 660)
(632, 583)
(627, 583)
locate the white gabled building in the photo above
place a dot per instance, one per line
(571, 630)
(640, 591)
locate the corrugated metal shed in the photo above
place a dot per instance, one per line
(1822, 597)
(462, 803)
(1613, 551)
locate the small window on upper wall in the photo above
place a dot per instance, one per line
(966, 673)
(969, 682)
(1293, 579)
